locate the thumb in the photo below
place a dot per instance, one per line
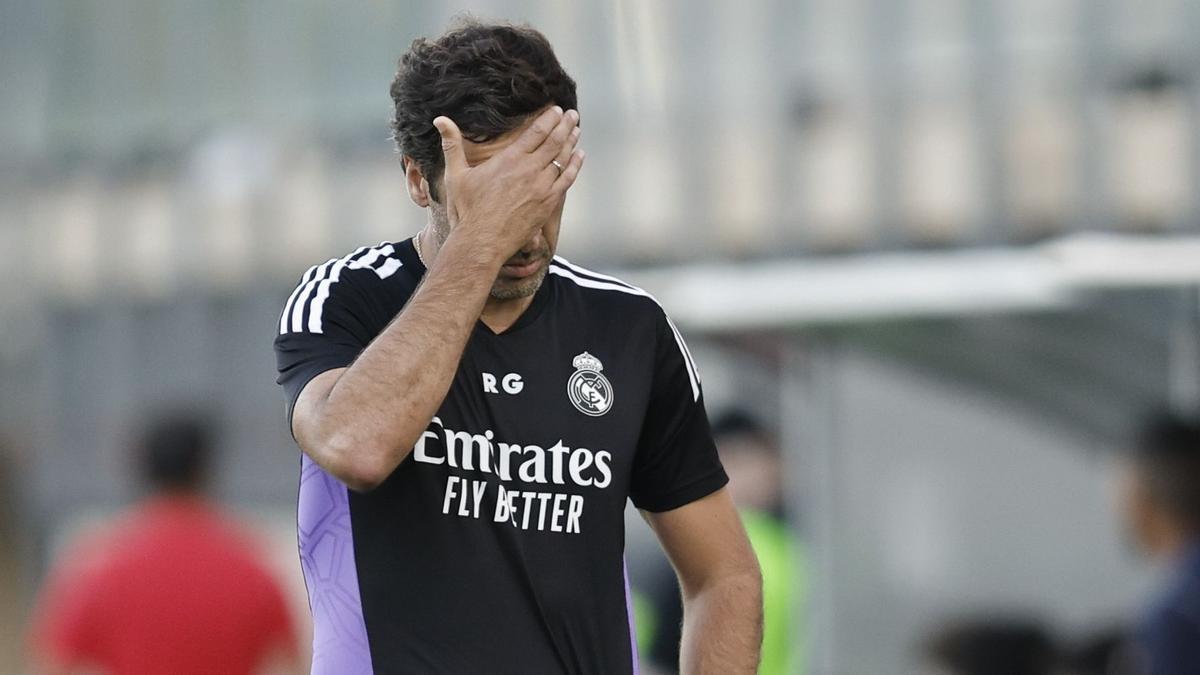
(456, 161)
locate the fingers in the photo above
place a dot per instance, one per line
(552, 172)
(567, 178)
(452, 147)
(531, 139)
(564, 154)
(550, 148)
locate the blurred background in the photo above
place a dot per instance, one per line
(943, 251)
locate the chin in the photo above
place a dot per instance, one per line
(513, 289)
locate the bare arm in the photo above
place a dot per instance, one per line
(721, 583)
(360, 422)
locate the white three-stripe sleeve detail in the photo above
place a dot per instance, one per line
(305, 293)
(318, 302)
(689, 365)
(287, 308)
(317, 311)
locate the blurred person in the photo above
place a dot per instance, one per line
(174, 586)
(1161, 508)
(1104, 653)
(990, 647)
(753, 461)
(474, 411)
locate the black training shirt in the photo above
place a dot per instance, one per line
(497, 545)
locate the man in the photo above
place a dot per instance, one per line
(173, 588)
(1161, 500)
(491, 407)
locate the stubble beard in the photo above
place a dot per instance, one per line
(513, 289)
(502, 289)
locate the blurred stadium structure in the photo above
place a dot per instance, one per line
(949, 247)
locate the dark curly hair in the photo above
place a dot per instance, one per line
(488, 78)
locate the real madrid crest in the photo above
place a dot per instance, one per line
(588, 389)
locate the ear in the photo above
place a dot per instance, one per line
(418, 187)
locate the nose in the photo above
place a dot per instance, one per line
(536, 244)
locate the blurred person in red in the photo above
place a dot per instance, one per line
(1161, 507)
(174, 586)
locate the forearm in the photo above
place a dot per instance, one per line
(359, 423)
(379, 406)
(722, 627)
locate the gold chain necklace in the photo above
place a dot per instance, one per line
(417, 246)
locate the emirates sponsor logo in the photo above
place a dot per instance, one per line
(561, 469)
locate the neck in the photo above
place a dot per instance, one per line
(177, 494)
(498, 315)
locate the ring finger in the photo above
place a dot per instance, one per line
(559, 163)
